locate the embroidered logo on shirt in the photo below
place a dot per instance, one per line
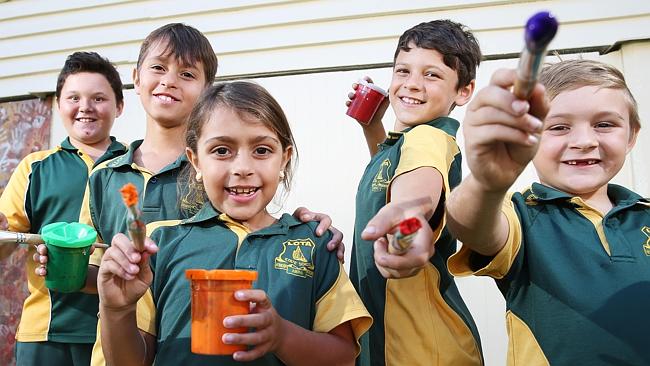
(381, 180)
(296, 257)
(646, 246)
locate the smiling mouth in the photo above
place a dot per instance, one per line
(411, 101)
(584, 162)
(239, 191)
(166, 98)
(85, 120)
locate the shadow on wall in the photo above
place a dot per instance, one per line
(24, 128)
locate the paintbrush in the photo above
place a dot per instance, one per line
(134, 223)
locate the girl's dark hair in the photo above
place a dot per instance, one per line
(184, 42)
(251, 102)
(457, 45)
(90, 62)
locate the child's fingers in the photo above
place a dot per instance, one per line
(253, 295)
(490, 134)
(255, 320)
(504, 78)
(399, 266)
(252, 354)
(121, 264)
(111, 267)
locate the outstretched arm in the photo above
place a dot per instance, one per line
(501, 137)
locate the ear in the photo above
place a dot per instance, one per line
(120, 109)
(136, 80)
(193, 158)
(465, 93)
(634, 133)
(286, 155)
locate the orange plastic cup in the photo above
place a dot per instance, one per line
(213, 298)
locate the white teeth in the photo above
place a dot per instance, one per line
(85, 120)
(242, 190)
(410, 100)
(588, 162)
(165, 98)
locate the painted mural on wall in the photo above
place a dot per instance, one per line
(24, 128)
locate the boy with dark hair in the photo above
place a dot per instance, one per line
(47, 186)
(570, 254)
(421, 319)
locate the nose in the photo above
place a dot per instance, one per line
(85, 105)
(583, 137)
(169, 80)
(242, 166)
(413, 82)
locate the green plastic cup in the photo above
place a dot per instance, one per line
(68, 250)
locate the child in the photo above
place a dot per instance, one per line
(47, 186)
(240, 145)
(422, 319)
(569, 253)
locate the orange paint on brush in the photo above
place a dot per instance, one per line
(129, 194)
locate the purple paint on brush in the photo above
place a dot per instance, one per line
(540, 30)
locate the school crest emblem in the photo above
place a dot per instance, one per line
(296, 257)
(646, 246)
(381, 180)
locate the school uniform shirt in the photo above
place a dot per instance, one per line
(305, 282)
(421, 320)
(46, 187)
(576, 283)
(158, 195)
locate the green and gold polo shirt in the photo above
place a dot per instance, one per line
(576, 283)
(158, 195)
(48, 186)
(421, 320)
(306, 283)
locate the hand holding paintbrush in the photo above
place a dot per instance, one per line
(134, 223)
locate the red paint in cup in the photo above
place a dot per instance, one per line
(367, 99)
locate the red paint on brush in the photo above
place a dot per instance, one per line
(409, 226)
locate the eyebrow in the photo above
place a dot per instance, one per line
(601, 114)
(255, 140)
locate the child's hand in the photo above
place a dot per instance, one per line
(376, 119)
(324, 224)
(268, 334)
(124, 274)
(502, 132)
(405, 265)
(41, 258)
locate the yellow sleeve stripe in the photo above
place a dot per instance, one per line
(523, 348)
(458, 263)
(163, 223)
(13, 199)
(146, 313)
(427, 146)
(341, 304)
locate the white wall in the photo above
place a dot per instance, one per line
(255, 38)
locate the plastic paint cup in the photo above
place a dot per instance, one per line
(367, 99)
(213, 299)
(68, 250)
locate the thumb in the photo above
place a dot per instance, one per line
(383, 223)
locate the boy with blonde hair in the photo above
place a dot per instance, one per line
(568, 253)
